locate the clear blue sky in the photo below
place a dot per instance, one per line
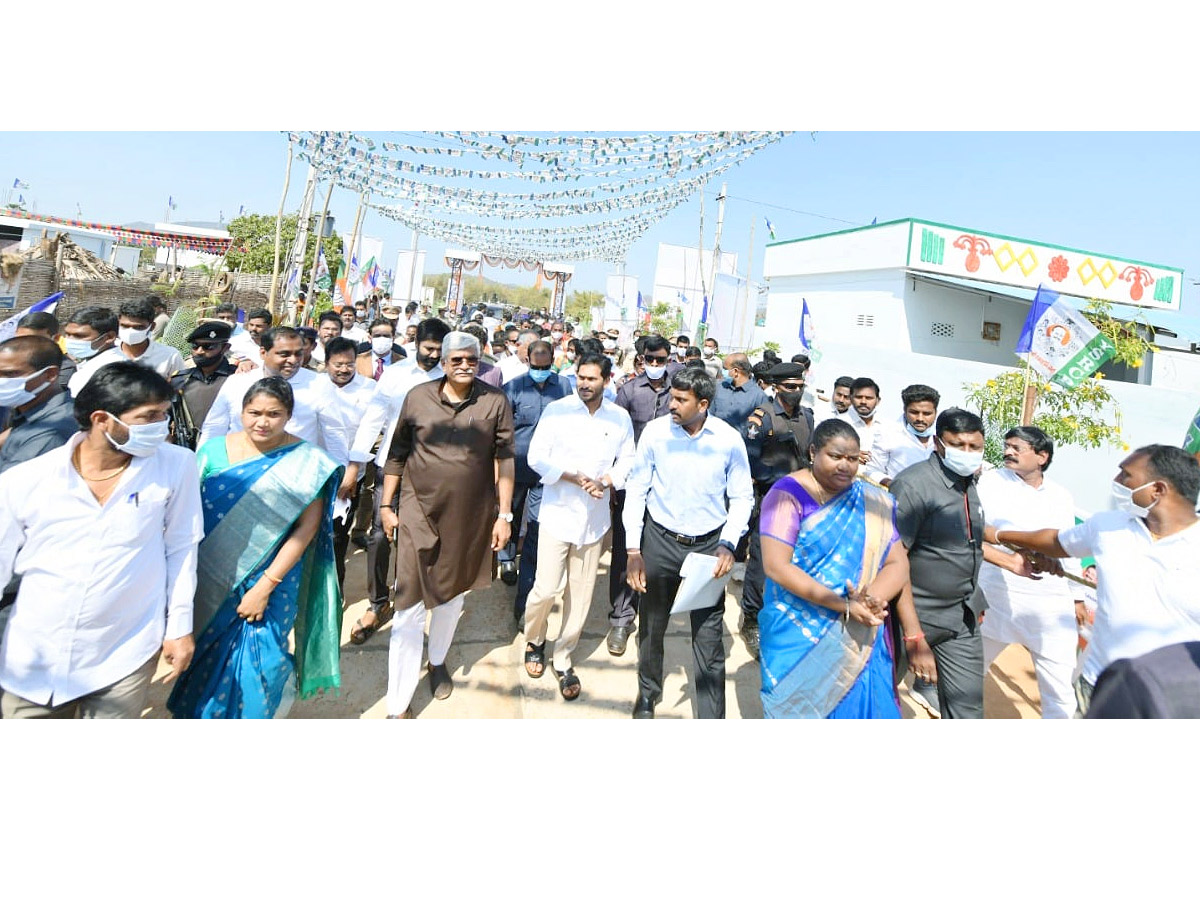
(1128, 194)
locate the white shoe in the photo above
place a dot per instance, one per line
(918, 698)
(739, 571)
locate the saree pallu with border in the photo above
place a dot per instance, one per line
(814, 664)
(240, 669)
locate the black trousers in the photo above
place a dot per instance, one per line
(663, 557)
(623, 600)
(958, 650)
(379, 551)
(341, 535)
(754, 582)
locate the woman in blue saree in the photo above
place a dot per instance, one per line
(833, 561)
(266, 564)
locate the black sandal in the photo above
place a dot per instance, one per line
(566, 681)
(535, 654)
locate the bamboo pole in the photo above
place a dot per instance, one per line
(1029, 398)
(312, 277)
(287, 179)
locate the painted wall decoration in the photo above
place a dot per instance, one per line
(1007, 260)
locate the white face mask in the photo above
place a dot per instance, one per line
(570, 356)
(655, 372)
(132, 336)
(143, 440)
(1124, 498)
(381, 346)
(13, 392)
(610, 344)
(913, 431)
(709, 352)
(556, 336)
(962, 462)
(679, 351)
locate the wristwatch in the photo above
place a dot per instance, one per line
(507, 517)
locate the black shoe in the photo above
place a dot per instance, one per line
(748, 629)
(440, 681)
(618, 638)
(643, 708)
(508, 572)
(359, 540)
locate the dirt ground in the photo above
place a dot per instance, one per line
(490, 681)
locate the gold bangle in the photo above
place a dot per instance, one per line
(267, 575)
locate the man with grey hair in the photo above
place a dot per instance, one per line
(514, 366)
(453, 445)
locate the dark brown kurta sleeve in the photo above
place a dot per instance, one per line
(402, 441)
(503, 447)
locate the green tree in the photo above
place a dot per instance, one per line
(253, 248)
(1088, 416)
(665, 319)
(581, 303)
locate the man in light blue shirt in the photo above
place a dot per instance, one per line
(688, 466)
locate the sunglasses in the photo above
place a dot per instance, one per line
(195, 346)
(656, 359)
(463, 362)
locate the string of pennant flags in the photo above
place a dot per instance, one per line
(641, 177)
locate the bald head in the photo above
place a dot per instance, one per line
(738, 365)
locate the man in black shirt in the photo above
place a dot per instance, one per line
(941, 523)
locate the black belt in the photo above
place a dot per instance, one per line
(687, 540)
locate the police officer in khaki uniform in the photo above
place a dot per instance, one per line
(777, 437)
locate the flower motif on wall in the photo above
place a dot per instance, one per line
(1059, 268)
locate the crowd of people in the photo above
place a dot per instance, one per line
(204, 510)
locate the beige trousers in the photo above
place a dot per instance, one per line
(569, 570)
(124, 700)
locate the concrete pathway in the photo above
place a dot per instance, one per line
(490, 681)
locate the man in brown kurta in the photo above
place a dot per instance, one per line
(453, 445)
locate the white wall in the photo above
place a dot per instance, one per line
(965, 312)
(878, 247)
(1175, 371)
(837, 304)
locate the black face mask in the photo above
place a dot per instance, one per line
(791, 398)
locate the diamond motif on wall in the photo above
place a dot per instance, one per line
(1027, 261)
(1004, 256)
(1106, 273)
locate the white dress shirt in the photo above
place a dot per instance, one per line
(358, 335)
(866, 432)
(353, 399)
(164, 360)
(1146, 589)
(1038, 614)
(894, 448)
(684, 480)
(242, 345)
(101, 586)
(568, 438)
(383, 410)
(316, 417)
(511, 367)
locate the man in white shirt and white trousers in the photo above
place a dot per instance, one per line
(1037, 614)
(689, 465)
(1147, 554)
(583, 448)
(103, 532)
(317, 416)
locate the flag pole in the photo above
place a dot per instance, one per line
(1029, 396)
(749, 272)
(358, 217)
(287, 177)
